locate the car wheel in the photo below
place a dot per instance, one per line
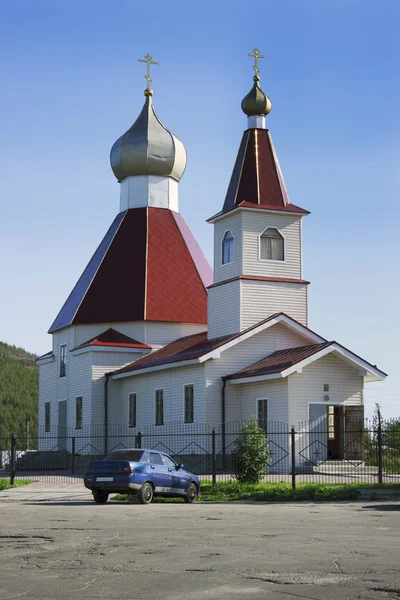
(100, 497)
(191, 493)
(146, 494)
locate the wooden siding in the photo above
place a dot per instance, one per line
(224, 309)
(48, 393)
(345, 386)
(261, 299)
(156, 334)
(275, 391)
(238, 357)
(172, 382)
(232, 223)
(101, 363)
(80, 384)
(254, 224)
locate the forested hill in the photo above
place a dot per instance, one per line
(18, 390)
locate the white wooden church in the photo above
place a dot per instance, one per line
(151, 334)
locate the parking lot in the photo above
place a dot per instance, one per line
(60, 548)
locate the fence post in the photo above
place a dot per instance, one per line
(380, 478)
(13, 459)
(73, 456)
(293, 449)
(214, 458)
(139, 439)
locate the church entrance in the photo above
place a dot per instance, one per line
(335, 432)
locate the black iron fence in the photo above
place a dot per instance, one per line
(313, 451)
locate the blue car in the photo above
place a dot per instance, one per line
(147, 473)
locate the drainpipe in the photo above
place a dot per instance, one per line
(107, 375)
(223, 417)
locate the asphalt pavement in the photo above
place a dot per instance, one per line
(69, 547)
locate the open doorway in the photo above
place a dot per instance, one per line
(335, 432)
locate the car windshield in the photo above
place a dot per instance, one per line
(129, 455)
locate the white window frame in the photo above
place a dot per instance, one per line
(272, 260)
(222, 248)
(264, 399)
(184, 402)
(155, 407)
(129, 410)
(76, 398)
(47, 403)
(65, 361)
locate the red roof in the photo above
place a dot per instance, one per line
(148, 267)
(189, 348)
(279, 361)
(115, 339)
(257, 180)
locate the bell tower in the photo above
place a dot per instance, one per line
(257, 235)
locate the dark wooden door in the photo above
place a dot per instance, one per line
(335, 428)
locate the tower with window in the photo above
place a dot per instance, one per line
(257, 234)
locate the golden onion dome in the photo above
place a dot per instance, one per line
(256, 103)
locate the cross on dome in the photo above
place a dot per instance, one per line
(256, 55)
(147, 59)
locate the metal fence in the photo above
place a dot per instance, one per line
(311, 452)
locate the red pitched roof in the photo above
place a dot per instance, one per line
(148, 267)
(279, 361)
(115, 339)
(257, 180)
(189, 348)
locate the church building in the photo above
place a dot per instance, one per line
(150, 334)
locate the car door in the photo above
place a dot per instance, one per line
(175, 478)
(161, 476)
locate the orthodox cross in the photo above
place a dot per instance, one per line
(147, 59)
(256, 54)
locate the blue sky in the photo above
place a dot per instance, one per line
(71, 85)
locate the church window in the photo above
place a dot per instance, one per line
(132, 410)
(227, 248)
(63, 360)
(47, 417)
(262, 413)
(271, 245)
(78, 412)
(159, 407)
(189, 403)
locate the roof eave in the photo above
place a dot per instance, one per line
(151, 369)
(221, 215)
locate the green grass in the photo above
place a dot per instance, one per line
(5, 483)
(264, 492)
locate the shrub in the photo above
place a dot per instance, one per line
(251, 454)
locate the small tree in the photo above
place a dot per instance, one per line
(251, 453)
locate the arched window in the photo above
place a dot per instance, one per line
(272, 245)
(227, 248)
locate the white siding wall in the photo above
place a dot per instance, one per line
(48, 392)
(101, 363)
(172, 382)
(224, 309)
(255, 223)
(236, 358)
(261, 299)
(275, 391)
(232, 223)
(65, 336)
(80, 384)
(154, 333)
(345, 386)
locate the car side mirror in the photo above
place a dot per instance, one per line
(179, 467)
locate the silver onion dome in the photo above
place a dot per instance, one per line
(148, 148)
